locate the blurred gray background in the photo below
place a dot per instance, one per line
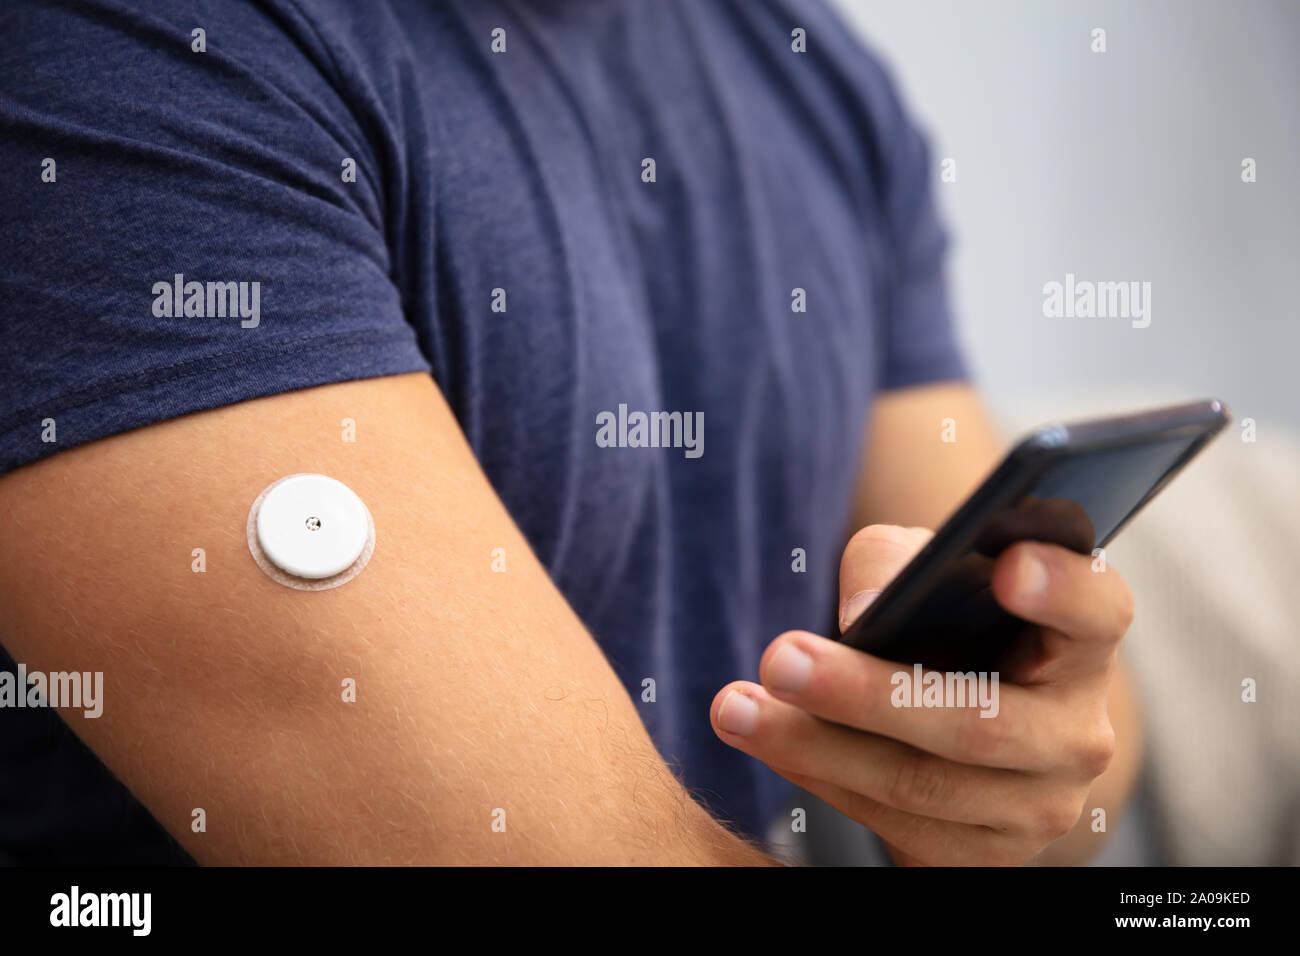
(1123, 165)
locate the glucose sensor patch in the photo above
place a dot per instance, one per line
(310, 532)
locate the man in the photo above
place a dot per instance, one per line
(433, 250)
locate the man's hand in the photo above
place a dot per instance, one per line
(945, 785)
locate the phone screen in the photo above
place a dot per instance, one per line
(1079, 501)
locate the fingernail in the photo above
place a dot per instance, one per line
(789, 670)
(738, 714)
(1031, 576)
(852, 608)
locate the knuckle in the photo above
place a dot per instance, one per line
(918, 784)
(1057, 817)
(1094, 751)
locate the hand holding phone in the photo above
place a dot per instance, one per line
(947, 776)
(1072, 485)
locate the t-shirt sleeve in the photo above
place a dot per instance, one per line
(919, 342)
(179, 227)
(920, 337)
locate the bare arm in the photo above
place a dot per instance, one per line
(910, 476)
(476, 691)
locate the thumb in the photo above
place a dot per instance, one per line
(871, 559)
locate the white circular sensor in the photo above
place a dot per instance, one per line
(312, 527)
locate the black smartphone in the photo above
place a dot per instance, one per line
(1073, 485)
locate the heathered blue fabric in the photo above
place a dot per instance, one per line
(522, 171)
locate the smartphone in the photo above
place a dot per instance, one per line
(1072, 485)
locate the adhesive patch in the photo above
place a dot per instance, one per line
(310, 532)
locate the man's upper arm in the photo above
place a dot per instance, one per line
(476, 690)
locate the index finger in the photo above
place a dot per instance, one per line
(1085, 608)
(1019, 730)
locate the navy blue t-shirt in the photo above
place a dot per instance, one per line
(683, 206)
